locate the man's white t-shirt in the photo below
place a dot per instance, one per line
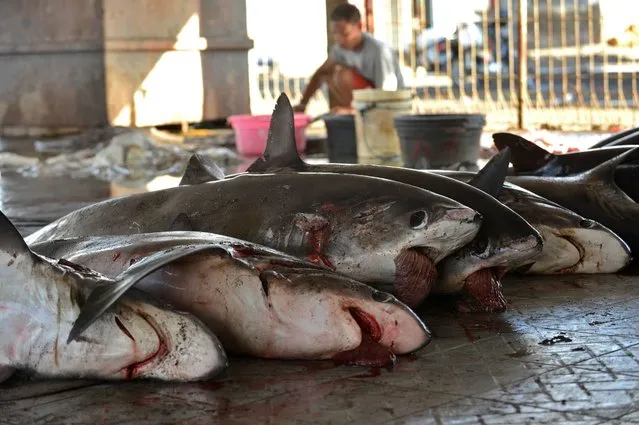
(376, 61)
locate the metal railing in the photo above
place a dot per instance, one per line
(560, 70)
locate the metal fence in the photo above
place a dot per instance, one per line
(560, 70)
(271, 82)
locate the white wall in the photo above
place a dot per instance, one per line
(617, 15)
(292, 33)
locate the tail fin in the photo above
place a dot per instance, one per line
(526, 156)
(626, 137)
(606, 170)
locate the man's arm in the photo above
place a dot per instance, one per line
(315, 83)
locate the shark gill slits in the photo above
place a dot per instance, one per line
(264, 281)
(587, 224)
(418, 220)
(123, 328)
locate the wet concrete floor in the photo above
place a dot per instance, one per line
(566, 351)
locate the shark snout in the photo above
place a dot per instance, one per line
(184, 350)
(464, 215)
(529, 246)
(399, 328)
(450, 229)
(600, 250)
(194, 352)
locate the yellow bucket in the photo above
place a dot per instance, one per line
(377, 139)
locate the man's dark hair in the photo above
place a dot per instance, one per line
(346, 12)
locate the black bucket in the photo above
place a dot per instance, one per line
(431, 141)
(341, 140)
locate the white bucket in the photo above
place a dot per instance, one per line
(377, 139)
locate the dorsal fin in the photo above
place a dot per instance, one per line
(11, 241)
(201, 169)
(281, 149)
(490, 179)
(606, 170)
(526, 156)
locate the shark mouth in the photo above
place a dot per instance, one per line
(582, 255)
(415, 273)
(136, 369)
(369, 352)
(482, 291)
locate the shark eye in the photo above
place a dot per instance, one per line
(587, 224)
(418, 220)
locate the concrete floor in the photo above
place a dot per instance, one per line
(566, 351)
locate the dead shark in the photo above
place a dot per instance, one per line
(481, 284)
(41, 298)
(593, 194)
(504, 239)
(373, 230)
(259, 301)
(572, 243)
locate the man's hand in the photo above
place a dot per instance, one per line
(299, 108)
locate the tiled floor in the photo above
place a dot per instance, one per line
(567, 351)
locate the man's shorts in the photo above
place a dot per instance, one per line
(360, 82)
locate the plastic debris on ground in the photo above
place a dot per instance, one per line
(115, 154)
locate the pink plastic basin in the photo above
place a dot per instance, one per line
(251, 132)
